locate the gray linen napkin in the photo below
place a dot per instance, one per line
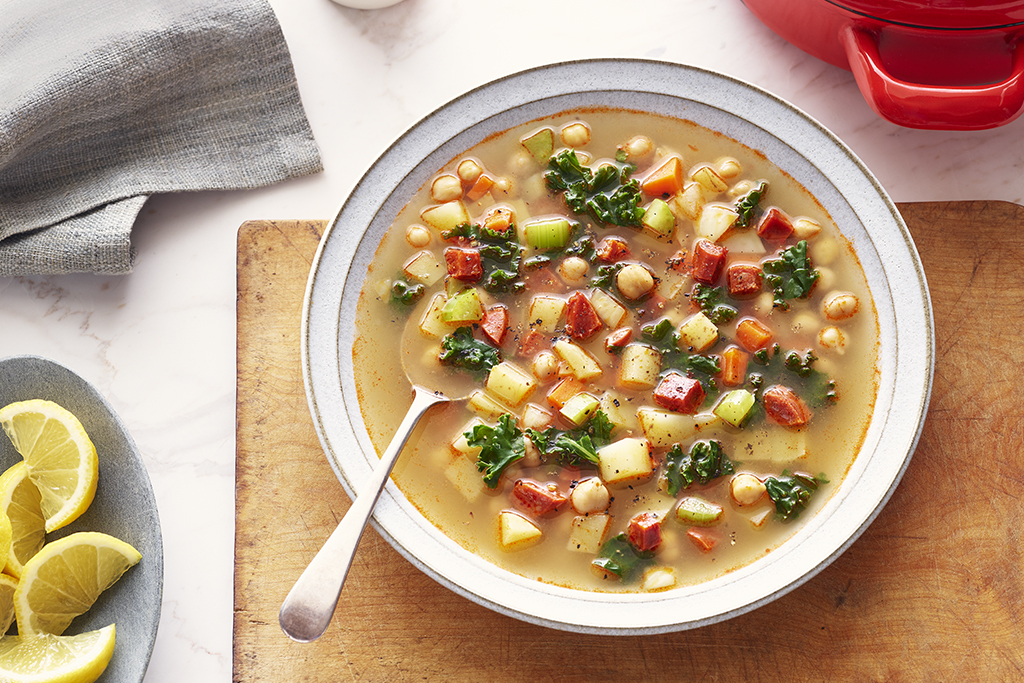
(104, 103)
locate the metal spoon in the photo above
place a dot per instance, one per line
(307, 611)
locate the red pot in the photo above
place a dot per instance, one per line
(940, 64)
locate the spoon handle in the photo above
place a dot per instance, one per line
(307, 611)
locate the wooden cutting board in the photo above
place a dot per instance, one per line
(933, 590)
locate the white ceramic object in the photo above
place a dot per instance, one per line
(367, 4)
(124, 507)
(790, 139)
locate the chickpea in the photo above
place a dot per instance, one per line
(804, 320)
(805, 228)
(576, 135)
(572, 269)
(638, 147)
(445, 188)
(531, 458)
(590, 495)
(417, 236)
(746, 489)
(469, 171)
(824, 252)
(545, 366)
(841, 305)
(728, 168)
(506, 186)
(826, 278)
(832, 337)
(740, 189)
(634, 281)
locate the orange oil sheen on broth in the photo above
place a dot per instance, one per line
(468, 515)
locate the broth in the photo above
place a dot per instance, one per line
(727, 521)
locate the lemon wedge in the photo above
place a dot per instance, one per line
(8, 584)
(20, 501)
(64, 579)
(56, 659)
(61, 459)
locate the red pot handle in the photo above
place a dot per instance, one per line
(941, 107)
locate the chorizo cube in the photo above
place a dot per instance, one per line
(645, 531)
(612, 250)
(540, 499)
(784, 407)
(581, 319)
(463, 264)
(708, 261)
(679, 393)
(775, 226)
(743, 280)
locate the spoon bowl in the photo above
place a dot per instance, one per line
(307, 610)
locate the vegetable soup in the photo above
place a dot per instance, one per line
(669, 347)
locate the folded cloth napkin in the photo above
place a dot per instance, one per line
(106, 102)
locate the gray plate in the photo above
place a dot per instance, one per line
(124, 507)
(789, 138)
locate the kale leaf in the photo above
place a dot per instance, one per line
(790, 275)
(501, 255)
(747, 205)
(500, 446)
(618, 556)
(792, 492)
(708, 299)
(577, 446)
(406, 294)
(462, 350)
(606, 194)
(705, 461)
(814, 386)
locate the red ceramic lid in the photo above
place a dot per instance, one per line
(942, 14)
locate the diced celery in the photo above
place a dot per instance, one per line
(698, 512)
(579, 408)
(540, 144)
(548, 233)
(464, 307)
(659, 219)
(735, 406)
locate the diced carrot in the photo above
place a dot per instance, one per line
(666, 180)
(481, 187)
(734, 366)
(753, 334)
(702, 538)
(495, 324)
(498, 219)
(531, 342)
(564, 390)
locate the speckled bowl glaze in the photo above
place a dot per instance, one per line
(124, 507)
(790, 139)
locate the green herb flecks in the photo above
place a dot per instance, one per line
(704, 462)
(791, 493)
(462, 350)
(790, 276)
(747, 205)
(607, 194)
(500, 446)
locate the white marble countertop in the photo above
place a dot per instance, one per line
(160, 343)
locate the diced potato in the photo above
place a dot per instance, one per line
(759, 519)
(424, 267)
(431, 325)
(664, 428)
(710, 180)
(697, 333)
(775, 445)
(625, 460)
(610, 311)
(744, 242)
(516, 532)
(485, 406)
(618, 410)
(588, 532)
(445, 216)
(659, 579)
(510, 384)
(715, 220)
(464, 476)
(535, 417)
(546, 312)
(640, 367)
(690, 202)
(583, 365)
(460, 444)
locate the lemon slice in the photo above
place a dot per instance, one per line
(8, 584)
(19, 499)
(56, 659)
(64, 579)
(61, 459)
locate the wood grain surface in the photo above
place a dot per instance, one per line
(932, 591)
